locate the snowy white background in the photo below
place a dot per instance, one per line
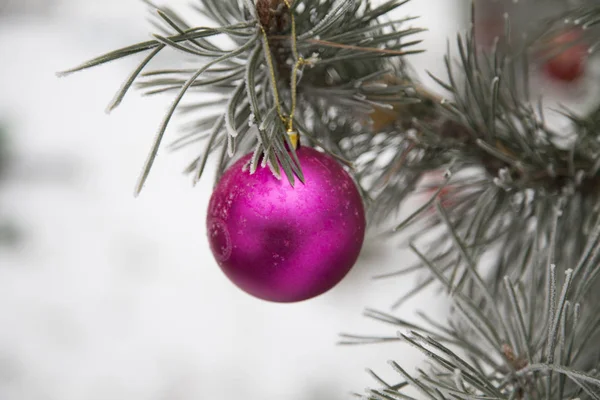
(107, 297)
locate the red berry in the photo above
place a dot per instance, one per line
(569, 64)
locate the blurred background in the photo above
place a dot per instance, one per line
(103, 296)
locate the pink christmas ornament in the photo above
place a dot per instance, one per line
(282, 243)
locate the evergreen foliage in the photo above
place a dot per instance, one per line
(338, 72)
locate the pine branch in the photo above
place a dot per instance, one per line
(341, 76)
(519, 195)
(507, 170)
(524, 328)
(507, 348)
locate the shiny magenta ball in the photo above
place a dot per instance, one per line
(282, 243)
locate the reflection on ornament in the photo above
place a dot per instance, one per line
(282, 243)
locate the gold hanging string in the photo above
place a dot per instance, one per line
(288, 121)
(299, 62)
(273, 77)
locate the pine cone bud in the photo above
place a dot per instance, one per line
(263, 9)
(272, 15)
